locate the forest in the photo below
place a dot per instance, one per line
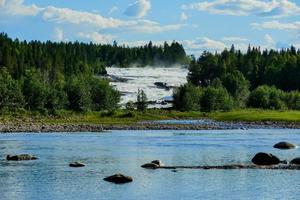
(267, 79)
(48, 76)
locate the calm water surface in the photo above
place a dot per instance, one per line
(124, 151)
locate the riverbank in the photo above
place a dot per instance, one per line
(150, 120)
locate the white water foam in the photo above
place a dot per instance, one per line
(144, 78)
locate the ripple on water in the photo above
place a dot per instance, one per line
(124, 152)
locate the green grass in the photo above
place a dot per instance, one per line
(257, 115)
(123, 117)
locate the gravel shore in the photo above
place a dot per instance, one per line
(213, 125)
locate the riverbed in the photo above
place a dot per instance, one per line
(113, 152)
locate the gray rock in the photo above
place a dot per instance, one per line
(118, 179)
(150, 166)
(76, 164)
(265, 159)
(158, 162)
(20, 157)
(296, 161)
(284, 145)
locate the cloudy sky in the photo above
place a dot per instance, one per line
(199, 25)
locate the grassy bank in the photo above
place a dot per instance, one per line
(124, 117)
(257, 115)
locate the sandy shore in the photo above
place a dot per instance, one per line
(40, 127)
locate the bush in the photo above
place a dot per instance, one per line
(216, 98)
(238, 87)
(267, 97)
(107, 113)
(187, 98)
(79, 95)
(11, 97)
(103, 95)
(130, 106)
(142, 103)
(128, 115)
(34, 90)
(292, 100)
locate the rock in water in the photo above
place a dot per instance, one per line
(20, 157)
(150, 166)
(265, 159)
(158, 162)
(76, 164)
(284, 145)
(118, 179)
(296, 161)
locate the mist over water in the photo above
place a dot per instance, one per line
(144, 78)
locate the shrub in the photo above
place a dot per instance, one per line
(187, 98)
(216, 98)
(142, 103)
(292, 100)
(267, 97)
(238, 87)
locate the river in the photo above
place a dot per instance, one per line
(135, 78)
(112, 152)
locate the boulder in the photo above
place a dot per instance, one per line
(20, 157)
(162, 85)
(150, 166)
(265, 159)
(158, 162)
(284, 145)
(296, 161)
(118, 179)
(76, 164)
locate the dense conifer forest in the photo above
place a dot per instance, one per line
(267, 79)
(50, 76)
(47, 76)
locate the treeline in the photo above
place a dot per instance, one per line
(266, 79)
(74, 58)
(48, 76)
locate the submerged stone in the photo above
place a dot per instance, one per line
(20, 157)
(265, 159)
(158, 162)
(76, 164)
(284, 145)
(118, 179)
(150, 166)
(296, 161)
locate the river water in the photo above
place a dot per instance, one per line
(124, 151)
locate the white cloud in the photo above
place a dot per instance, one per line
(147, 26)
(17, 7)
(58, 34)
(139, 43)
(273, 8)
(113, 10)
(96, 37)
(66, 15)
(234, 39)
(183, 17)
(270, 43)
(199, 45)
(88, 20)
(138, 9)
(277, 25)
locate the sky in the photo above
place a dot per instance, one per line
(209, 25)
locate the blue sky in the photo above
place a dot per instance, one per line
(199, 25)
